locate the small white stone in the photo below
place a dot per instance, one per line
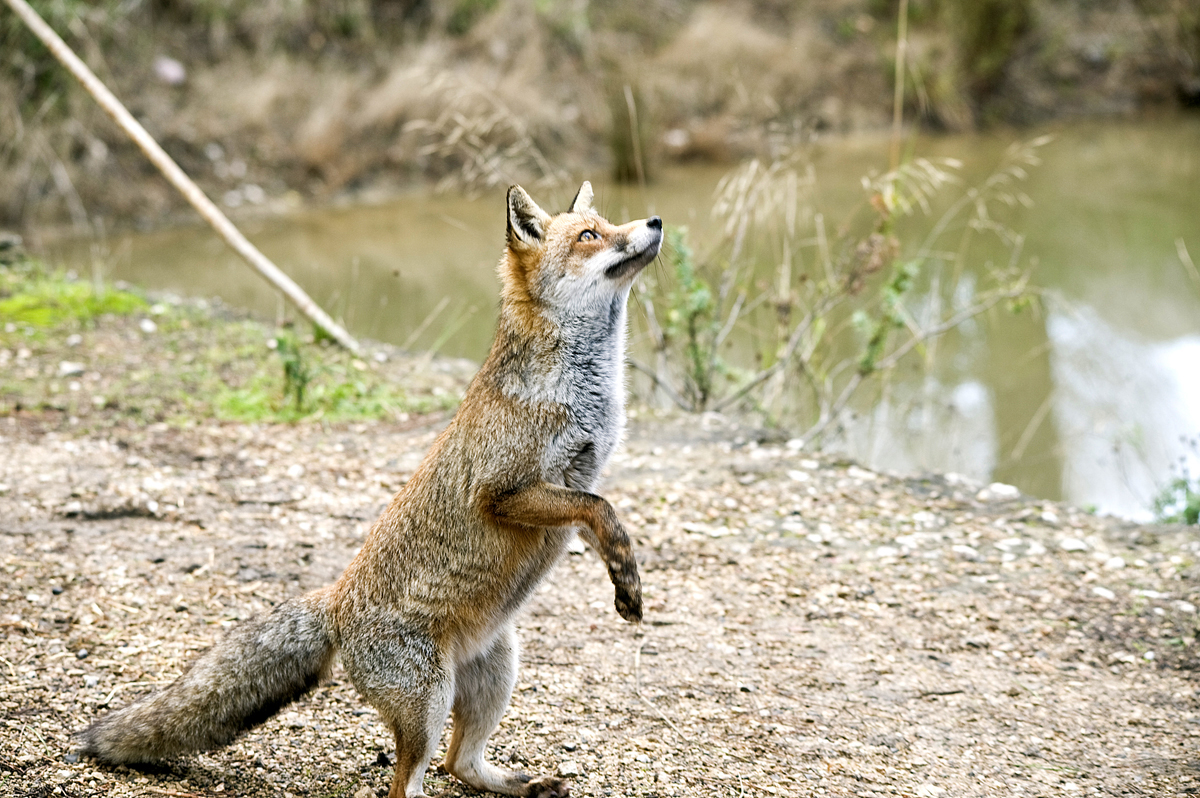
(254, 194)
(1104, 593)
(295, 470)
(1182, 606)
(69, 368)
(1114, 563)
(965, 552)
(798, 476)
(148, 326)
(169, 71)
(1072, 544)
(568, 768)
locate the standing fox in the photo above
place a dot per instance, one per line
(423, 616)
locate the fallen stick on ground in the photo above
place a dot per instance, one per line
(203, 205)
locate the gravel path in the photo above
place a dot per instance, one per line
(812, 628)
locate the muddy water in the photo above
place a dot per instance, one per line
(1086, 401)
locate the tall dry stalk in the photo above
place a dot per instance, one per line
(898, 91)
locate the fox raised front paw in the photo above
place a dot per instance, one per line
(548, 787)
(629, 603)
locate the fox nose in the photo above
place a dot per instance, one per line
(654, 222)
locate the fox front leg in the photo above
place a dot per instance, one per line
(545, 505)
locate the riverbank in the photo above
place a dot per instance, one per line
(279, 105)
(812, 627)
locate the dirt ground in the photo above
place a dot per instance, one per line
(812, 628)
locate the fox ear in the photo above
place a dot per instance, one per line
(526, 221)
(583, 199)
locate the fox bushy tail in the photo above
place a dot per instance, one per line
(259, 667)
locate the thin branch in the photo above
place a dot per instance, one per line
(637, 691)
(664, 386)
(1186, 259)
(979, 308)
(191, 192)
(835, 408)
(793, 344)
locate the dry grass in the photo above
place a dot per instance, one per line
(334, 98)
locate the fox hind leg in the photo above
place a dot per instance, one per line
(483, 687)
(401, 676)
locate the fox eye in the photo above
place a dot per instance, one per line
(589, 235)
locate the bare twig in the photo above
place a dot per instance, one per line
(191, 192)
(662, 384)
(1186, 259)
(834, 409)
(637, 691)
(424, 325)
(128, 686)
(793, 344)
(660, 350)
(635, 135)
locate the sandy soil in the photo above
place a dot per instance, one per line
(812, 628)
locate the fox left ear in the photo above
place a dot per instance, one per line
(583, 199)
(526, 221)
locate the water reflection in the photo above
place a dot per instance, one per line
(1121, 404)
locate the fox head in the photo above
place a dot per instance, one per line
(576, 264)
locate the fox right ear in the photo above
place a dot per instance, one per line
(583, 199)
(526, 221)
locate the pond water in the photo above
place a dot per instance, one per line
(1088, 400)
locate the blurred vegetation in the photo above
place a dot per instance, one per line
(1179, 500)
(962, 51)
(32, 299)
(848, 303)
(328, 96)
(103, 354)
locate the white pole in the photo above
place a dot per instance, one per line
(203, 205)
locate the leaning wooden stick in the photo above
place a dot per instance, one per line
(203, 205)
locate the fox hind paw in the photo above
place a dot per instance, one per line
(549, 787)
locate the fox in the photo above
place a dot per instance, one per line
(423, 617)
